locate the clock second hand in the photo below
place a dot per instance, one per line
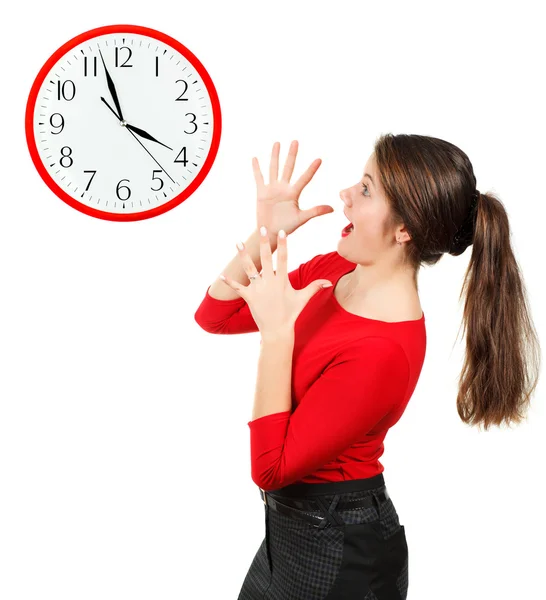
(138, 140)
(151, 155)
(119, 118)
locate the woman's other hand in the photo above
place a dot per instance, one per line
(277, 201)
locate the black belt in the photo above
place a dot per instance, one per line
(293, 508)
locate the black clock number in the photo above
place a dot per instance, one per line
(67, 156)
(85, 66)
(193, 123)
(61, 90)
(125, 187)
(180, 99)
(154, 177)
(87, 188)
(56, 126)
(117, 56)
(184, 161)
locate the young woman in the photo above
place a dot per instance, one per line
(339, 364)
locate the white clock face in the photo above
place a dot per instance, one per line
(97, 110)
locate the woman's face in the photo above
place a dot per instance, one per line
(366, 208)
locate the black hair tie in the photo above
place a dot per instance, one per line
(464, 236)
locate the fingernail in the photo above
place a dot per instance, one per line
(263, 230)
(240, 245)
(282, 234)
(325, 285)
(222, 277)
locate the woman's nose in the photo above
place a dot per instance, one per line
(344, 197)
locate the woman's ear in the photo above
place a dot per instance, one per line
(402, 234)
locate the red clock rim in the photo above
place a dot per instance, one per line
(33, 148)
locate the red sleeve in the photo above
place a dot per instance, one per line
(356, 391)
(234, 316)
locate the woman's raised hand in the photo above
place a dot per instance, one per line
(277, 201)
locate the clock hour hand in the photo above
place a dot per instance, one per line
(145, 134)
(130, 127)
(140, 132)
(112, 88)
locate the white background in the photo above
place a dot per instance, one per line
(124, 444)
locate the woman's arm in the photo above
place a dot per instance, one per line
(274, 378)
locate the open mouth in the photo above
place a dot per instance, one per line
(347, 230)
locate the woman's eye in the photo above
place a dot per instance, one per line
(365, 188)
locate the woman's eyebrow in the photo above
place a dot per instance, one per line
(368, 175)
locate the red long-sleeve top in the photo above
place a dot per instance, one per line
(352, 378)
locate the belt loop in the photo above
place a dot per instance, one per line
(330, 517)
(377, 499)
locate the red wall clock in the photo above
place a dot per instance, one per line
(123, 122)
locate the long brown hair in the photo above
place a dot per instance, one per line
(430, 184)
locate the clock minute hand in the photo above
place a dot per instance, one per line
(145, 134)
(112, 88)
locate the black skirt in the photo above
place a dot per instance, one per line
(362, 555)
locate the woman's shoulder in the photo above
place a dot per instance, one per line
(322, 265)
